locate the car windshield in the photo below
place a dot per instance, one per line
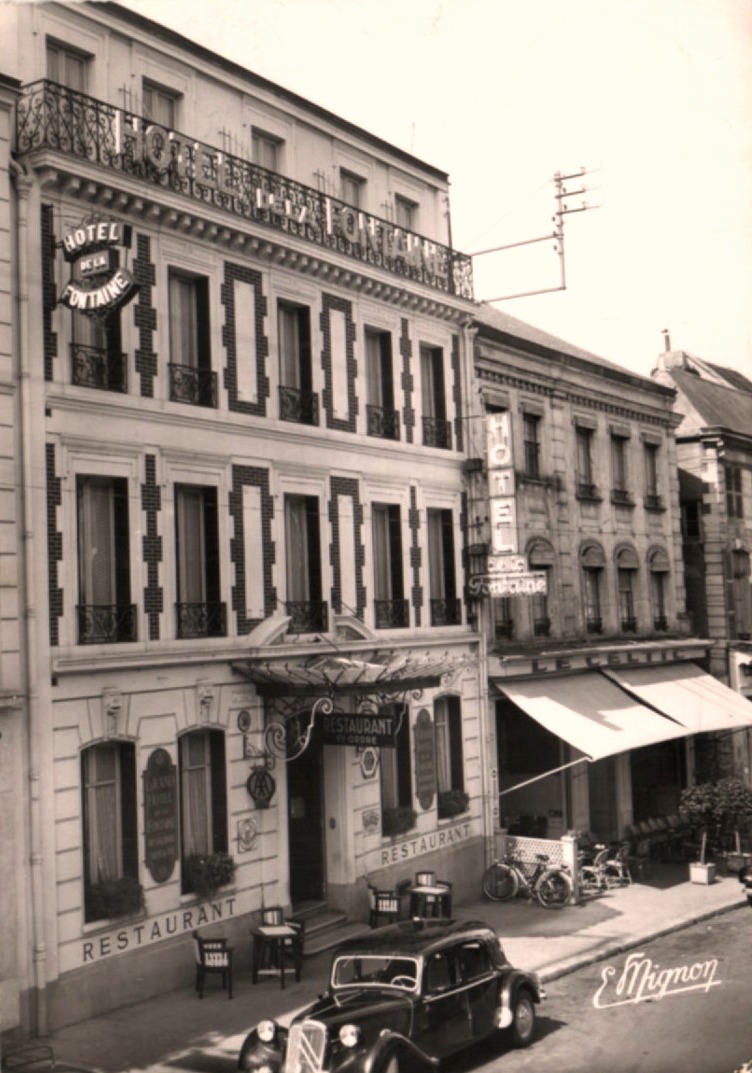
(375, 970)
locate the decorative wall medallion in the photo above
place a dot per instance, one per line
(261, 787)
(369, 762)
(244, 721)
(247, 832)
(371, 820)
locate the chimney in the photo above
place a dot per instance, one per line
(666, 340)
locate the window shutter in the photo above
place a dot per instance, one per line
(203, 326)
(128, 809)
(387, 376)
(314, 547)
(218, 792)
(395, 545)
(304, 342)
(122, 544)
(211, 544)
(447, 540)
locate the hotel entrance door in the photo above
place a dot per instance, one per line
(306, 826)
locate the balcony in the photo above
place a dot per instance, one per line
(629, 625)
(382, 423)
(307, 616)
(542, 627)
(586, 490)
(621, 497)
(106, 624)
(437, 432)
(446, 612)
(302, 407)
(198, 387)
(660, 624)
(653, 501)
(54, 118)
(93, 366)
(391, 614)
(594, 625)
(201, 620)
(504, 628)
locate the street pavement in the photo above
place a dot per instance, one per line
(177, 1031)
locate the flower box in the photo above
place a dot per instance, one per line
(702, 873)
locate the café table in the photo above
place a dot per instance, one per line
(271, 945)
(430, 901)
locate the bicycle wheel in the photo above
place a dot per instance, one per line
(500, 882)
(554, 889)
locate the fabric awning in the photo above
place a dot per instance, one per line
(591, 713)
(687, 694)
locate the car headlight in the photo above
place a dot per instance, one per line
(349, 1035)
(266, 1031)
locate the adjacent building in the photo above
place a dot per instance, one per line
(714, 457)
(243, 369)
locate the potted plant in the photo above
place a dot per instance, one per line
(397, 821)
(452, 803)
(111, 898)
(717, 808)
(204, 874)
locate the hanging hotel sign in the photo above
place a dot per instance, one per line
(346, 728)
(102, 286)
(160, 815)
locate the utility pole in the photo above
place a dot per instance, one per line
(561, 192)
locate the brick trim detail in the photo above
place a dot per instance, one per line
(54, 545)
(256, 477)
(48, 289)
(408, 379)
(347, 486)
(145, 315)
(459, 435)
(416, 554)
(151, 504)
(233, 274)
(331, 303)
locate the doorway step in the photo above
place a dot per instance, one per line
(325, 927)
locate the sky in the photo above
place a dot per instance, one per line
(652, 98)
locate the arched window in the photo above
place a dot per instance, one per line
(592, 563)
(658, 567)
(110, 841)
(540, 557)
(203, 795)
(627, 565)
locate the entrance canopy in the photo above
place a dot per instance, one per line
(686, 694)
(591, 713)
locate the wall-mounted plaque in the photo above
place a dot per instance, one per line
(425, 759)
(160, 815)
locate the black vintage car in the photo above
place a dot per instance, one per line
(402, 998)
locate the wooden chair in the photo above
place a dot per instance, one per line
(212, 956)
(425, 879)
(278, 946)
(639, 861)
(382, 903)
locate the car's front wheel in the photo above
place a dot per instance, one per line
(523, 1020)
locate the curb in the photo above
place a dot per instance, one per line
(573, 964)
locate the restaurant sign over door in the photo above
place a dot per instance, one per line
(160, 815)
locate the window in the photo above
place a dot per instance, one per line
(734, 497)
(740, 608)
(619, 490)
(67, 66)
(350, 188)
(592, 561)
(203, 797)
(626, 568)
(395, 769)
(381, 416)
(503, 617)
(200, 613)
(191, 376)
(540, 557)
(530, 431)
(105, 612)
(658, 566)
(652, 496)
(437, 431)
(447, 721)
(97, 358)
(405, 213)
(585, 486)
(304, 602)
(160, 104)
(390, 606)
(445, 607)
(110, 843)
(265, 150)
(297, 402)
(691, 510)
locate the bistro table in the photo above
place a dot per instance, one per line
(271, 943)
(430, 900)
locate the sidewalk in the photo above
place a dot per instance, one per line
(178, 1032)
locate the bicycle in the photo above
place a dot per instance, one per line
(552, 886)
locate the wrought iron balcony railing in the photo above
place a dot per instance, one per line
(621, 497)
(660, 623)
(106, 624)
(201, 620)
(437, 432)
(299, 406)
(391, 614)
(446, 612)
(629, 625)
(542, 627)
(594, 625)
(653, 501)
(195, 386)
(382, 422)
(55, 118)
(93, 366)
(307, 616)
(504, 628)
(587, 490)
